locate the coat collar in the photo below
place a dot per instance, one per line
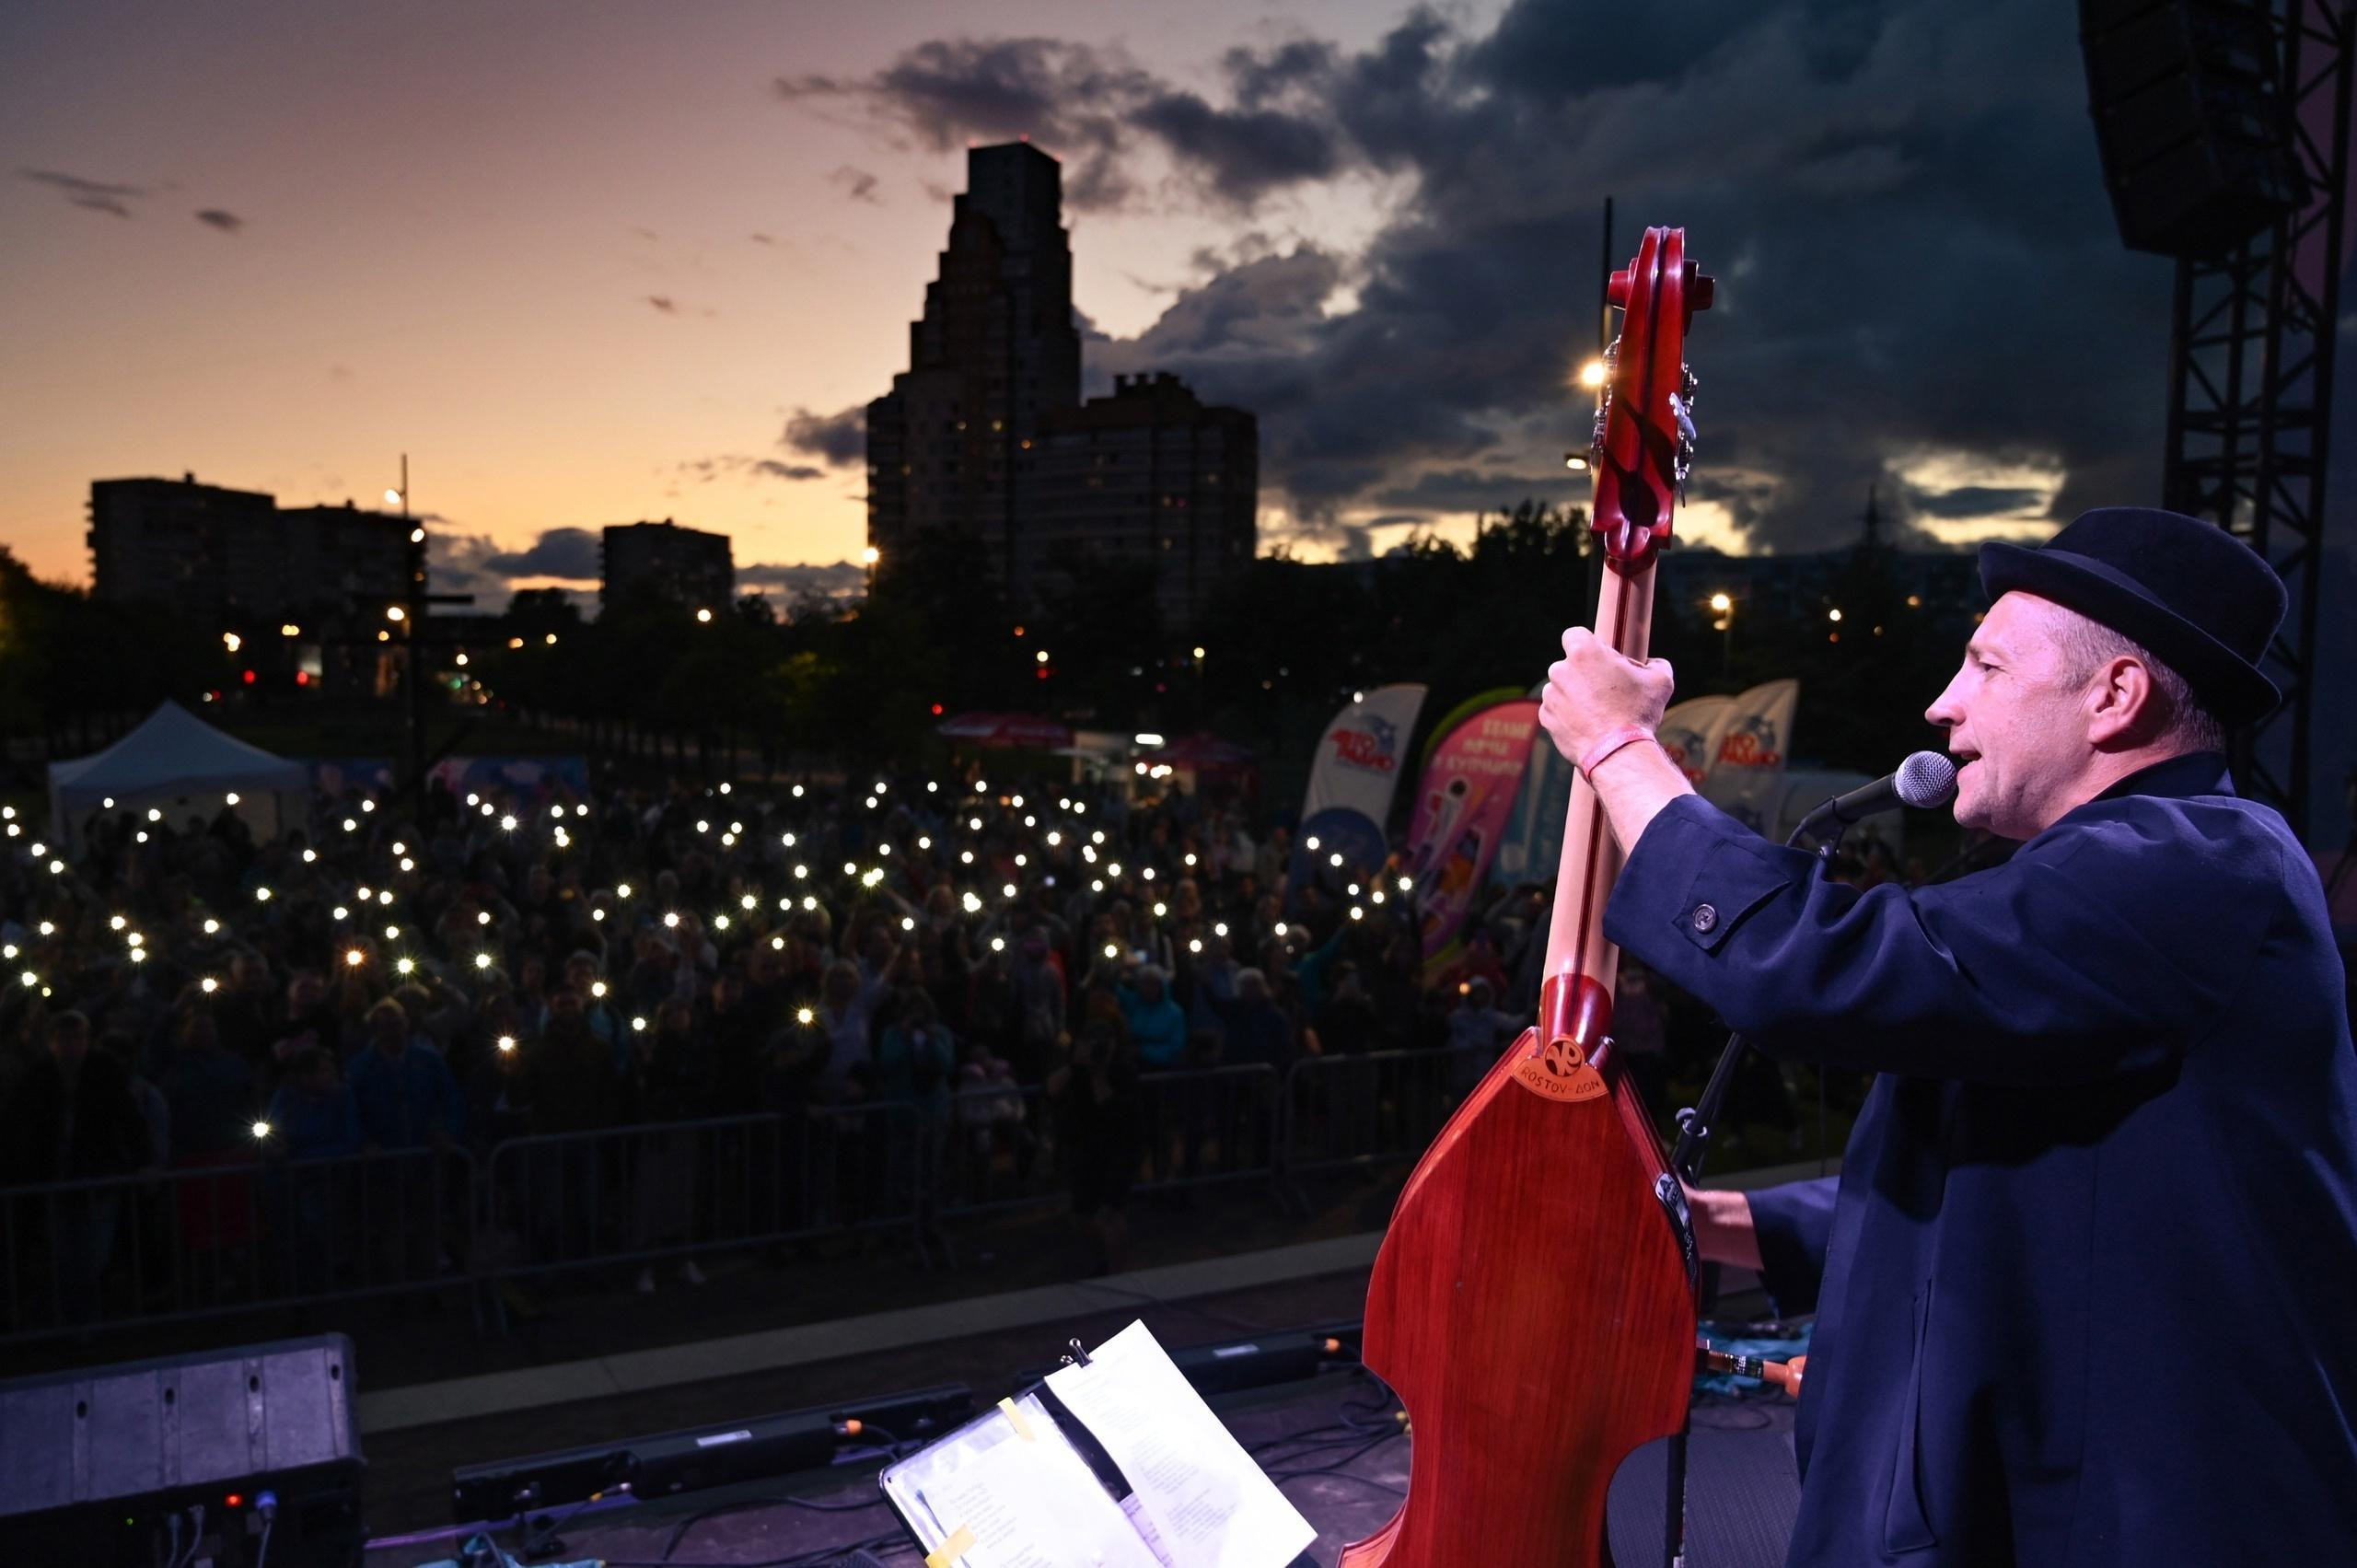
(2187, 773)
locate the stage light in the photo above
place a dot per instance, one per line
(1721, 603)
(1592, 373)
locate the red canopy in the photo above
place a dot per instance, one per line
(1010, 730)
(1202, 751)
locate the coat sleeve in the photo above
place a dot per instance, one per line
(2104, 945)
(1793, 1223)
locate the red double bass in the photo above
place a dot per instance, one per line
(1533, 1303)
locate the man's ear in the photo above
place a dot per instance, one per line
(2124, 704)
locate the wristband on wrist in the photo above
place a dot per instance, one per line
(1609, 743)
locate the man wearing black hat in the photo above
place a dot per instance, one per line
(2087, 1287)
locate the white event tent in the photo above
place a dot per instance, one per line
(176, 764)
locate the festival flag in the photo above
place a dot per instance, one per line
(1351, 780)
(1462, 805)
(1533, 840)
(1690, 732)
(1747, 769)
(1358, 761)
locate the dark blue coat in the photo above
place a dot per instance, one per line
(2090, 1283)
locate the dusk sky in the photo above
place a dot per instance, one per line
(588, 264)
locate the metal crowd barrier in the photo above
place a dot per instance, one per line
(78, 1256)
(1006, 1149)
(1361, 1111)
(202, 1241)
(632, 1194)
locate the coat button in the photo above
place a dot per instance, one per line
(1705, 917)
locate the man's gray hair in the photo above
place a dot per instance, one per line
(2088, 646)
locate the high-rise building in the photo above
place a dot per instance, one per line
(687, 566)
(995, 350)
(208, 551)
(1151, 473)
(341, 556)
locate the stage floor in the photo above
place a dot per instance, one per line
(1331, 1443)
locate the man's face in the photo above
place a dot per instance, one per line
(2017, 727)
(305, 993)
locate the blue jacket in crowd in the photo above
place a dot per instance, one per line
(2090, 1279)
(399, 1098)
(1158, 1028)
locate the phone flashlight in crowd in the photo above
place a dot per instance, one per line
(639, 1024)
(805, 1017)
(261, 1130)
(354, 956)
(208, 985)
(507, 1044)
(597, 988)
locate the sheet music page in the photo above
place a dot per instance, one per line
(1211, 1505)
(1028, 1502)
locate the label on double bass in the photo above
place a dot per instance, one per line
(1560, 1070)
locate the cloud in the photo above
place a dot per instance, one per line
(98, 196)
(570, 554)
(1096, 109)
(857, 183)
(841, 580)
(227, 222)
(1898, 211)
(840, 438)
(703, 470)
(664, 303)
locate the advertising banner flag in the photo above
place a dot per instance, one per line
(1690, 732)
(1360, 756)
(1462, 805)
(1747, 771)
(1533, 840)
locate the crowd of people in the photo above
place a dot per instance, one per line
(388, 979)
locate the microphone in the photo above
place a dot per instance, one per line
(1926, 779)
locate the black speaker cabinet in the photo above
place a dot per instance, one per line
(2190, 121)
(104, 1465)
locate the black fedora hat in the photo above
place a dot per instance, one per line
(2200, 599)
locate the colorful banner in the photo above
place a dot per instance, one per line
(1690, 732)
(1533, 840)
(1359, 757)
(1747, 773)
(1462, 804)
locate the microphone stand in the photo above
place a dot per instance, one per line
(1696, 1124)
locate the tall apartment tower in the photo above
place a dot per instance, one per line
(948, 446)
(209, 552)
(1151, 474)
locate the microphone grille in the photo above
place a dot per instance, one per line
(1926, 779)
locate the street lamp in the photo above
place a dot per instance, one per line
(1723, 606)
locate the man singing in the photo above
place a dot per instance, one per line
(2089, 1279)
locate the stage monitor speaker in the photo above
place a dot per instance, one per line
(664, 1463)
(2190, 122)
(108, 1465)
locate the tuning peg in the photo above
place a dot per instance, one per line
(1698, 289)
(1617, 290)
